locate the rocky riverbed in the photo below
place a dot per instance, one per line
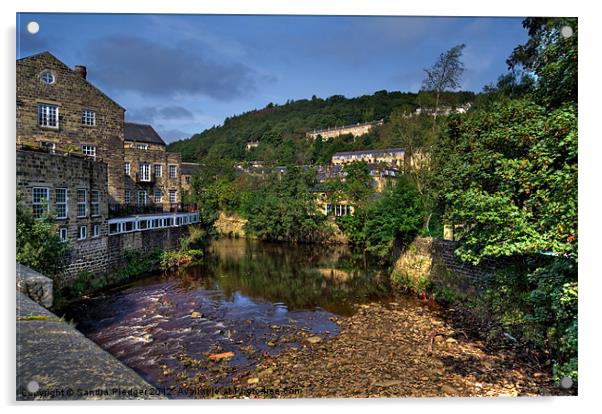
(395, 350)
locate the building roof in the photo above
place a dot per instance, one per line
(189, 168)
(141, 133)
(369, 152)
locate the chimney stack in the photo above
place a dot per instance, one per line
(81, 71)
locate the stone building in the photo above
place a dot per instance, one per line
(355, 129)
(78, 160)
(60, 111)
(393, 157)
(187, 171)
(71, 187)
(152, 175)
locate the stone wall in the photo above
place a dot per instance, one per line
(230, 225)
(72, 94)
(143, 242)
(435, 259)
(71, 172)
(98, 257)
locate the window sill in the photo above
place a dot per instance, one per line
(56, 128)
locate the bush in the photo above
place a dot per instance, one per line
(38, 243)
(536, 301)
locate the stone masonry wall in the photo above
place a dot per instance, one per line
(106, 254)
(72, 94)
(436, 258)
(53, 171)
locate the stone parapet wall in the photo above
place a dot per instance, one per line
(436, 260)
(35, 285)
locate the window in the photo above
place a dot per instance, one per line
(95, 202)
(158, 170)
(142, 196)
(47, 77)
(127, 197)
(89, 150)
(142, 146)
(187, 179)
(48, 146)
(63, 233)
(145, 172)
(172, 196)
(39, 201)
(81, 203)
(61, 203)
(127, 168)
(96, 230)
(172, 171)
(82, 233)
(48, 116)
(158, 196)
(88, 117)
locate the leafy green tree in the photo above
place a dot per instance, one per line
(284, 209)
(38, 243)
(394, 217)
(358, 182)
(511, 175)
(551, 55)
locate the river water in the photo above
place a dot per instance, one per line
(251, 298)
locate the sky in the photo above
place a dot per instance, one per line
(186, 73)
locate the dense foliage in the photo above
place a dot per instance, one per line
(281, 129)
(283, 208)
(395, 216)
(38, 243)
(507, 172)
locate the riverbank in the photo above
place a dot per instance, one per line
(398, 350)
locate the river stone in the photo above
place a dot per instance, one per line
(314, 339)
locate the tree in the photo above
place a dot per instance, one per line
(551, 55)
(358, 182)
(445, 74)
(38, 243)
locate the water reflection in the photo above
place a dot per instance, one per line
(302, 276)
(250, 298)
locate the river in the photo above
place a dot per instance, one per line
(250, 298)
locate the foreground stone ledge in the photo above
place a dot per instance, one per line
(35, 285)
(57, 362)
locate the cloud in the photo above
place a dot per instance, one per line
(171, 135)
(175, 112)
(132, 63)
(150, 114)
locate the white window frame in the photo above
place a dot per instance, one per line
(42, 202)
(95, 230)
(63, 233)
(83, 203)
(94, 205)
(88, 117)
(173, 171)
(82, 235)
(158, 199)
(145, 173)
(143, 147)
(47, 77)
(64, 203)
(158, 170)
(127, 197)
(175, 196)
(48, 116)
(127, 167)
(89, 150)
